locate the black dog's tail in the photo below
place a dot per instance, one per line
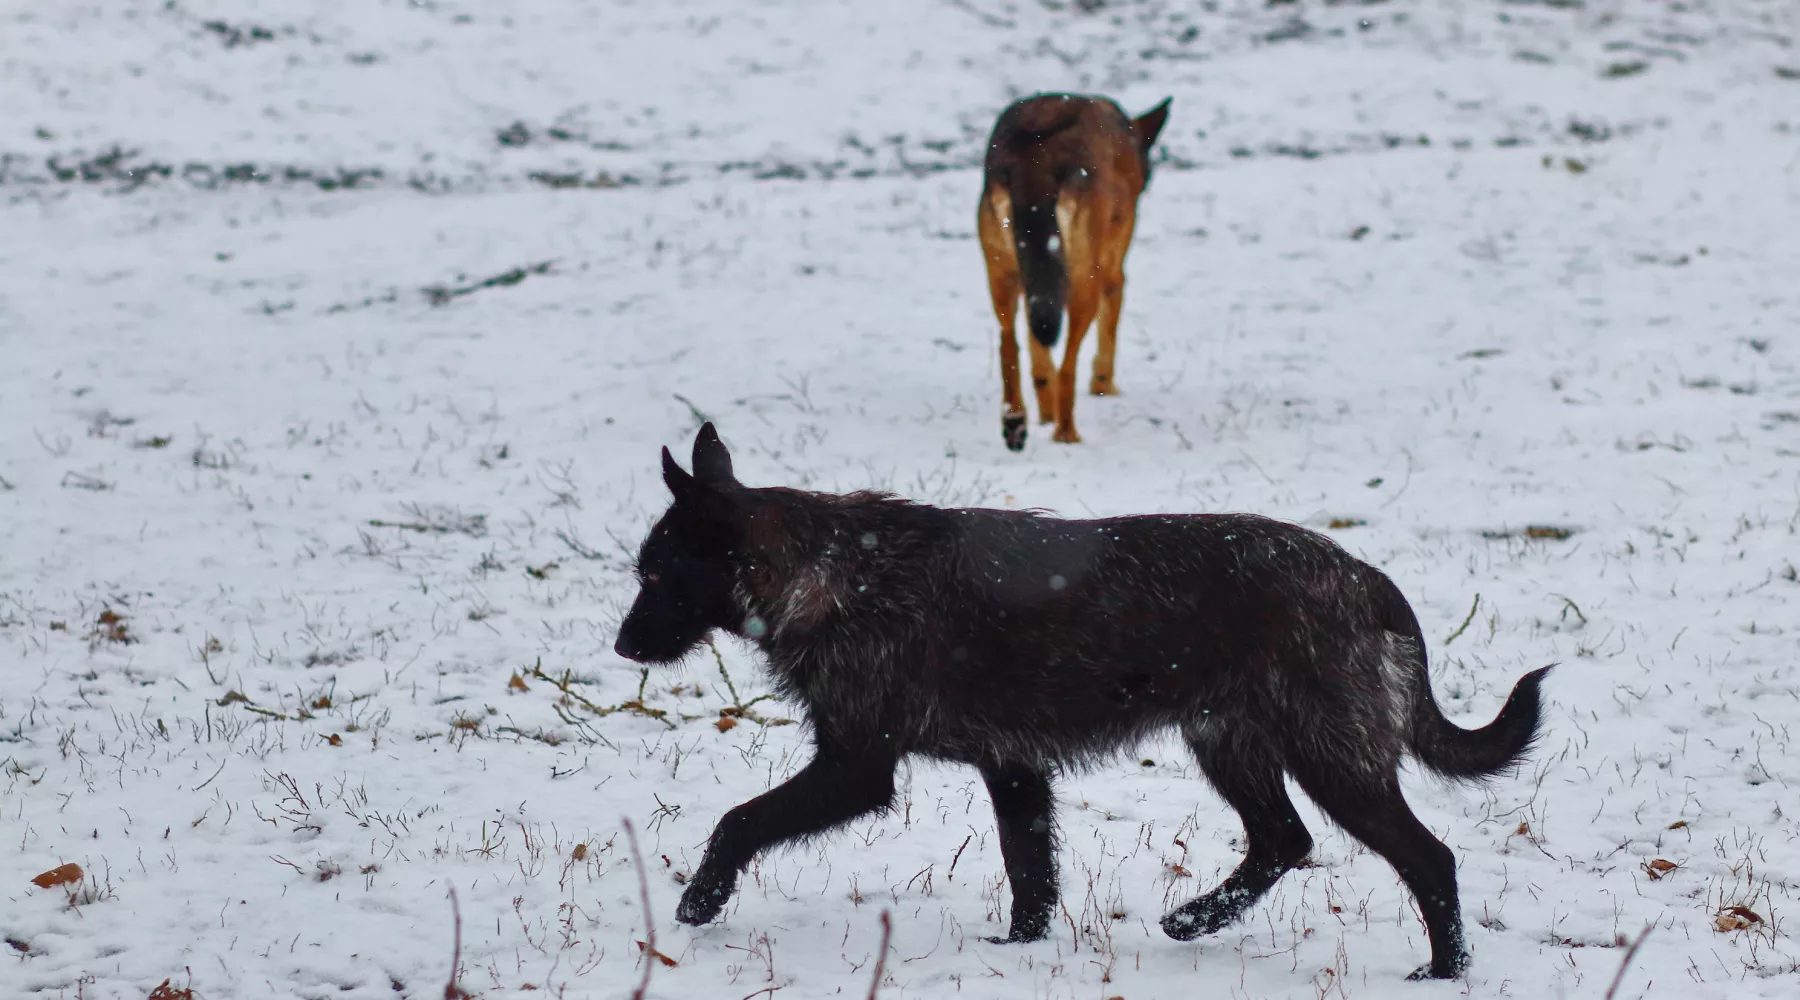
(1442, 745)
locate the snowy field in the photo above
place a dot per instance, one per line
(339, 340)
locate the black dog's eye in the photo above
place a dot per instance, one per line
(652, 577)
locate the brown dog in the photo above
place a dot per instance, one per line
(1058, 204)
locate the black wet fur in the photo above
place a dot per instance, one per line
(1025, 644)
(1012, 427)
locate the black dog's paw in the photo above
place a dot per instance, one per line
(1012, 428)
(1436, 970)
(1023, 932)
(1185, 923)
(702, 901)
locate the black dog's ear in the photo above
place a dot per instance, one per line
(1149, 125)
(675, 477)
(712, 462)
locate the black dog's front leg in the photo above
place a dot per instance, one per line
(1024, 805)
(834, 789)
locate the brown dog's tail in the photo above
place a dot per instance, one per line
(1441, 745)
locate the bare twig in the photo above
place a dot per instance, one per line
(1625, 963)
(950, 876)
(887, 934)
(1466, 621)
(451, 990)
(649, 923)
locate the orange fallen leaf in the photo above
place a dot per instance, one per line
(321, 702)
(659, 956)
(579, 853)
(725, 722)
(1678, 824)
(60, 875)
(517, 683)
(1659, 867)
(335, 740)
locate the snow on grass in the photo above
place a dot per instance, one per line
(333, 398)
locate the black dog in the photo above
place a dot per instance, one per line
(1021, 643)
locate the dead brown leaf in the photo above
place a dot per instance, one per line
(517, 683)
(111, 627)
(1658, 868)
(1736, 918)
(60, 875)
(579, 853)
(725, 722)
(659, 956)
(165, 991)
(1346, 522)
(335, 740)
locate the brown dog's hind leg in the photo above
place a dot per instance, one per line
(1043, 380)
(1112, 299)
(1003, 286)
(1083, 293)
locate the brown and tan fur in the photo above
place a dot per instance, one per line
(1058, 206)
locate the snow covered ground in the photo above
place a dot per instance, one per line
(290, 491)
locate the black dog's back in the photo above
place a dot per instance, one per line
(1062, 641)
(1022, 643)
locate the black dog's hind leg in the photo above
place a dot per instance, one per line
(1373, 811)
(834, 789)
(1024, 805)
(1276, 838)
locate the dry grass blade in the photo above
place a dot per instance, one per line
(1465, 622)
